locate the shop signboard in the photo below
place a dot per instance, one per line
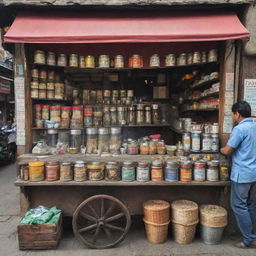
(250, 93)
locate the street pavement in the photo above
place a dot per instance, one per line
(134, 245)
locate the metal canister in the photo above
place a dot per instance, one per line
(182, 59)
(128, 171)
(51, 59)
(81, 62)
(119, 61)
(213, 55)
(196, 57)
(199, 171)
(66, 172)
(104, 61)
(62, 60)
(157, 171)
(154, 61)
(90, 61)
(39, 57)
(171, 171)
(143, 173)
(213, 170)
(52, 171)
(186, 141)
(79, 171)
(170, 60)
(73, 60)
(186, 171)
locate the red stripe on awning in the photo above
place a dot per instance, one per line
(124, 28)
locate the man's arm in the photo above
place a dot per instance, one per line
(227, 150)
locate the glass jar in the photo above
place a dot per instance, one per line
(104, 61)
(73, 60)
(143, 171)
(113, 113)
(34, 85)
(88, 116)
(224, 171)
(140, 114)
(34, 73)
(66, 173)
(119, 61)
(213, 55)
(52, 138)
(90, 61)
(103, 140)
(81, 62)
(196, 140)
(77, 118)
(38, 111)
(92, 140)
(155, 114)
(161, 148)
(132, 147)
(52, 171)
(92, 96)
(154, 61)
(59, 91)
(203, 57)
(55, 113)
(95, 171)
(39, 57)
(190, 58)
(113, 171)
(153, 147)
(65, 117)
(212, 172)
(186, 171)
(63, 142)
(106, 116)
(115, 97)
(144, 147)
(128, 171)
(121, 115)
(80, 171)
(97, 117)
(75, 141)
(115, 140)
(206, 142)
(50, 94)
(132, 116)
(86, 97)
(182, 59)
(136, 61)
(170, 60)
(42, 75)
(186, 141)
(45, 112)
(157, 171)
(196, 57)
(215, 142)
(107, 97)
(62, 60)
(42, 86)
(99, 97)
(148, 116)
(171, 171)
(51, 60)
(41, 94)
(199, 171)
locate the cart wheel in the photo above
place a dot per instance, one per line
(101, 221)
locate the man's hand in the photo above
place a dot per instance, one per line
(227, 150)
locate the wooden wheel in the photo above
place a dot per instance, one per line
(101, 221)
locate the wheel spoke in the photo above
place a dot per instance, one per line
(114, 227)
(97, 231)
(88, 217)
(109, 210)
(115, 217)
(93, 211)
(102, 207)
(87, 228)
(108, 233)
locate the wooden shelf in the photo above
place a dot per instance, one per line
(204, 84)
(121, 183)
(50, 100)
(49, 67)
(210, 95)
(204, 152)
(201, 110)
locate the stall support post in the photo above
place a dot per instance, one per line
(24, 201)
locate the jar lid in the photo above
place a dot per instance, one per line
(39, 51)
(79, 162)
(52, 131)
(75, 132)
(206, 134)
(200, 163)
(104, 55)
(183, 54)
(172, 163)
(213, 163)
(78, 108)
(55, 107)
(140, 106)
(50, 53)
(52, 163)
(143, 164)
(66, 108)
(112, 163)
(128, 163)
(36, 164)
(113, 109)
(196, 132)
(66, 163)
(79, 165)
(103, 131)
(91, 131)
(115, 130)
(148, 108)
(62, 54)
(73, 54)
(89, 56)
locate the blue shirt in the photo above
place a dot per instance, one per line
(243, 140)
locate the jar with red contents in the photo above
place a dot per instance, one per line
(186, 171)
(88, 116)
(157, 173)
(136, 61)
(65, 117)
(52, 171)
(77, 118)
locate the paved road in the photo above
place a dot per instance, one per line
(134, 245)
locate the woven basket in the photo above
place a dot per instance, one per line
(156, 233)
(213, 216)
(184, 212)
(184, 234)
(156, 211)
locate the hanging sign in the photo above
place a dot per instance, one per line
(250, 93)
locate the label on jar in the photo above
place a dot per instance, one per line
(156, 174)
(52, 173)
(171, 174)
(212, 174)
(128, 174)
(186, 143)
(206, 145)
(196, 144)
(79, 174)
(142, 174)
(185, 174)
(199, 174)
(65, 173)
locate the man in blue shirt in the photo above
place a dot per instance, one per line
(242, 146)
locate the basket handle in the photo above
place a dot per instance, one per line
(155, 224)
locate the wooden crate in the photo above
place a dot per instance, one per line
(39, 236)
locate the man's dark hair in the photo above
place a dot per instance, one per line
(243, 108)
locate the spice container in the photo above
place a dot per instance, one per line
(144, 147)
(62, 60)
(113, 113)
(196, 140)
(39, 57)
(51, 59)
(104, 61)
(65, 117)
(73, 60)
(186, 171)
(106, 116)
(148, 116)
(121, 115)
(128, 171)
(182, 59)
(171, 171)
(36, 171)
(103, 140)
(52, 171)
(161, 148)
(90, 61)
(132, 116)
(157, 171)
(140, 114)
(80, 171)
(66, 173)
(81, 62)
(113, 171)
(55, 113)
(206, 142)
(95, 171)
(59, 91)
(119, 61)
(92, 140)
(186, 141)
(213, 170)
(199, 171)
(154, 61)
(77, 118)
(143, 171)
(88, 117)
(115, 140)
(41, 94)
(97, 117)
(170, 60)
(132, 147)
(45, 112)
(75, 141)
(196, 57)
(52, 138)
(213, 55)
(215, 142)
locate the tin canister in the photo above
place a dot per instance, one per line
(199, 171)
(39, 57)
(119, 61)
(73, 60)
(172, 171)
(62, 60)
(170, 60)
(36, 171)
(128, 171)
(51, 59)
(143, 172)
(90, 61)
(157, 171)
(52, 171)
(186, 171)
(104, 61)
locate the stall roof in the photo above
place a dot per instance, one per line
(124, 28)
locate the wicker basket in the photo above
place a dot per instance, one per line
(184, 234)
(213, 216)
(184, 212)
(156, 211)
(156, 233)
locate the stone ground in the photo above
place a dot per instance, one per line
(134, 245)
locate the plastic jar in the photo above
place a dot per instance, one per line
(215, 142)
(75, 141)
(80, 171)
(144, 147)
(113, 171)
(90, 61)
(59, 91)
(113, 114)
(115, 140)
(143, 171)
(97, 117)
(62, 60)
(155, 114)
(36, 171)
(128, 171)
(92, 140)
(65, 117)
(95, 171)
(153, 147)
(196, 140)
(55, 113)
(199, 171)
(157, 171)
(52, 171)
(206, 142)
(171, 171)
(161, 148)
(103, 140)
(45, 112)
(140, 114)
(77, 118)
(66, 173)
(213, 170)
(52, 138)
(133, 148)
(186, 141)
(88, 116)
(186, 171)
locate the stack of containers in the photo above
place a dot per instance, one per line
(156, 219)
(184, 221)
(213, 220)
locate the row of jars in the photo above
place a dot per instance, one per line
(135, 61)
(42, 75)
(197, 141)
(127, 171)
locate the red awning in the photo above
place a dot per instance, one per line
(124, 28)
